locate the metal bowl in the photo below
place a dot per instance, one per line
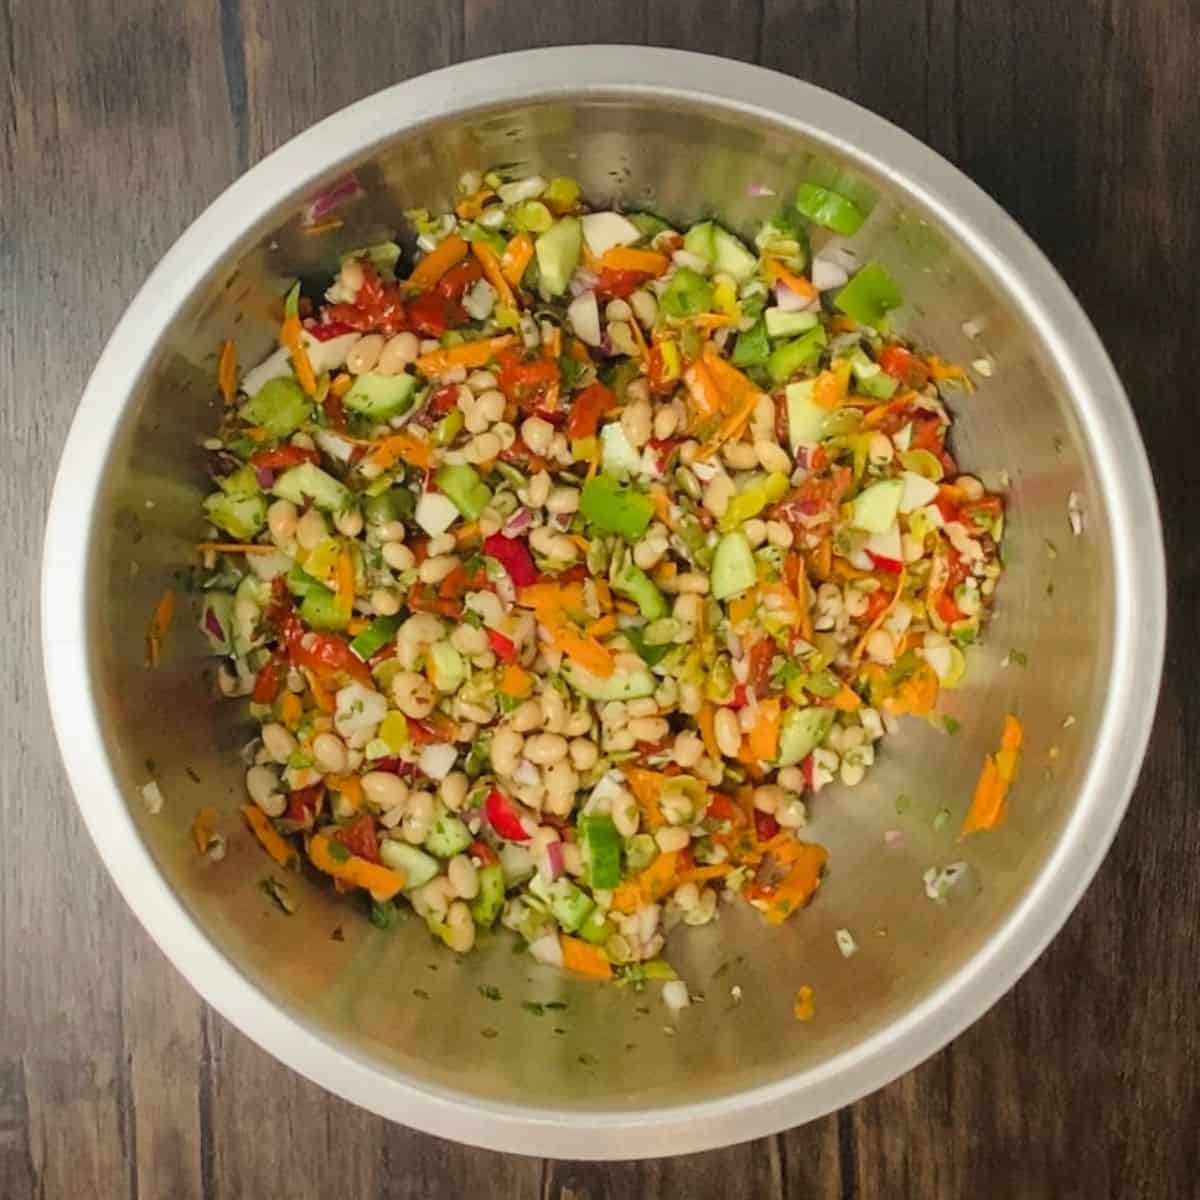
(392, 1023)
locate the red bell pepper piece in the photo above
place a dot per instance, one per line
(453, 285)
(284, 456)
(266, 684)
(738, 699)
(618, 285)
(807, 767)
(503, 817)
(304, 804)
(525, 382)
(587, 408)
(484, 852)
(722, 808)
(504, 648)
(359, 837)
(514, 556)
(902, 364)
(326, 331)
(883, 563)
(765, 826)
(762, 654)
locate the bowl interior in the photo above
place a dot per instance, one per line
(397, 1000)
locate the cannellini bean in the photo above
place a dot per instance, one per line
(537, 434)
(614, 715)
(704, 911)
(490, 405)
(739, 455)
(391, 531)
(584, 753)
(364, 354)
(453, 791)
(625, 813)
(779, 534)
(672, 838)
(645, 307)
(880, 449)
(469, 640)
(755, 531)
(538, 490)
(881, 647)
(329, 753)
(434, 898)
(506, 750)
(648, 729)
(563, 500)
(718, 494)
(463, 876)
(686, 897)
(771, 457)
(434, 570)
(665, 422)
(791, 779)
(385, 601)
(460, 928)
(398, 353)
(554, 710)
(413, 694)
(278, 742)
(636, 423)
(728, 732)
(281, 521)
(262, 784)
(526, 716)
(769, 797)
(545, 748)
(792, 813)
(481, 381)
(418, 818)
(690, 699)
(688, 749)
(385, 790)
(311, 529)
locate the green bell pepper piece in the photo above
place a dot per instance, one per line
(394, 504)
(300, 582)
(687, 295)
(615, 508)
(375, 637)
(467, 492)
(472, 231)
(601, 849)
(829, 208)
(446, 430)
(637, 586)
(869, 296)
(650, 655)
(752, 348)
(320, 610)
(793, 356)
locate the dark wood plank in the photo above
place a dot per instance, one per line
(493, 26)
(731, 28)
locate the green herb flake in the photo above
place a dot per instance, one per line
(1018, 658)
(532, 1006)
(420, 993)
(940, 818)
(490, 992)
(489, 1032)
(903, 804)
(951, 726)
(338, 852)
(277, 892)
(555, 1004)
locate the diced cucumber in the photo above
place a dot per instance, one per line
(620, 685)
(734, 570)
(435, 513)
(806, 418)
(596, 929)
(752, 348)
(804, 729)
(918, 492)
(601, 846)
(448, 667)
(381, 396)
(461, 483)
(781, 323)
(558, 251)
(794, 356)
(308, 482)
(633, 583)
(239, 516)
(417, 867)
(218, 611)
(648, 224)
(486, 906)
(731, 257)
(279, 406)
(449, 835)
(874, 509)
(569, 905)
(700, 240)
(241, 484)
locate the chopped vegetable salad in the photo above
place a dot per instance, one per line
(563, 568)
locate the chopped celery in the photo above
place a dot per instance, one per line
(871, 378)
(373, 639)
(462, 485)
(869, 296)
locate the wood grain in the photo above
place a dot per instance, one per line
(121, 121)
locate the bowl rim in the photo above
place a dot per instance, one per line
(969, 215)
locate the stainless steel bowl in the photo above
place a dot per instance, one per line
(400, 1027)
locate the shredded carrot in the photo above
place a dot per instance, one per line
(734, 385)
(291, 708)
(846, 700)
(799, 884)
(493, 273)
(820, 561)
(625, 258)
(706, 718)
(516, 682)
(470, 207)
(587, 652)
(883, 615)
(446, 254)
(357, 625)
(944, 372)
(467, 535)
(320, 227)
(402, 447)
(204, 825)
(341, 384)
(324, 700)
(291, 335)
(382, 882)
(604, 596)
(711, 321)
(804, 1008)
(741, 608)
(732, 427)
(160, 623)
(350, 788)
(602, 627)
(646, 785)
(916, 695)
(280, 850)
(227, 372)
(764, 737)
(516, 258)
(343, 579)
(662, 505)
(468, 355)
(989, 804)
(655, 882)
(703, 390)
(583, 958)
(794, 283)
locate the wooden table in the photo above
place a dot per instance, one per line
(123, 119)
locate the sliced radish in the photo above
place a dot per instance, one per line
(886, 548)
(918, 492)
(435, 513)
(583, 313)
(604, 230)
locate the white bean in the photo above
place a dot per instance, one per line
(281, 521)
(418, 818)
(463, 876)
(279, 743)
(527, 716)
(413, 694)
(740, 456)
(648, 729)
(434, 570)
(398, 353)
(688, 749)
(546, 748)
(506, 749)
(460, 928)
(537, 434)
(636, 423)
(453, 791)
(365, 354)
(769, 797)
(772, 458)
(563, 500)
(329, 753)
(672, 838)
(311, 529)
(384, 790)
(262, 783)
(385, 601)
(584, 754)
(728, 732)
